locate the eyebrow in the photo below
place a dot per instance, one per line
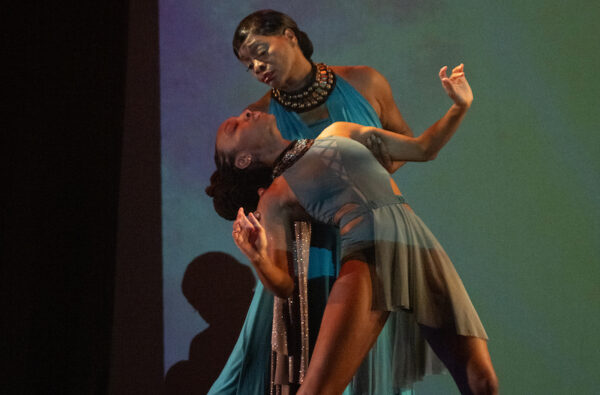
(251, 47)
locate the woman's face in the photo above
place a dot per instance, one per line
(272, 59)
(248, 132)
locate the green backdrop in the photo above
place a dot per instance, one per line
(514, 198)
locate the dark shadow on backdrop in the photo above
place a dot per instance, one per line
(220, 290)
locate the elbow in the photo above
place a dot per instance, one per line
(427, 153)
(282, 287)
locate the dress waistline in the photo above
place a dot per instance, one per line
(371, 205)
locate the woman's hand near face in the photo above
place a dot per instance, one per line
(457, 86)
(250, 237)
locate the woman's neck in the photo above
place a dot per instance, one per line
(301, 76)
(274, 151)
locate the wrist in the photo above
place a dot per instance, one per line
(259, 260)
(460, 108)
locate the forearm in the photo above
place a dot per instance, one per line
(399, 126)
(438, 134)
(265, 245)
(273, 277)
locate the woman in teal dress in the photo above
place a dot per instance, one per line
(305, 98)
(394, 271)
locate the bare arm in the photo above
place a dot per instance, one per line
(422, 148)
(427, 145)
(267, 243)
(270, 263)
(376, 89)
(391, 120)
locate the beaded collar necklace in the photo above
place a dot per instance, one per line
(290, 155)
(310, 96)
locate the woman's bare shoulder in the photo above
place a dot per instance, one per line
(367, 81)
(279, 193)
(358, 75)
(261, 104)
(280, 201)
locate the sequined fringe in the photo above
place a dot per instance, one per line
(289, 337)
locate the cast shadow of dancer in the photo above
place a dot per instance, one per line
(220, 289)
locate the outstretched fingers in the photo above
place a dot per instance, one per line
(459, 68)
(443, 74)
(456, 85)
(458, 72)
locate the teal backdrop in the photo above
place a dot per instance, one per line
(513, 198)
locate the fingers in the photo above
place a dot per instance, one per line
(236, 233)
(241, 217)
(447, 84)
(242, 223)
(379, 150)
(442, 73)
(240, 214)
(237, 228)
(254, 221)
(385, 153)
(244, 232)
(373, 143)
(237, 237)
(458, 68)
(458, 71)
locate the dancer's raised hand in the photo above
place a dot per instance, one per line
(457, 86)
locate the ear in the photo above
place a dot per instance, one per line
(290, 35)
(261, 191)
(243, 160)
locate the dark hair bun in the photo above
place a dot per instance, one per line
(305, 44)
(233, 188)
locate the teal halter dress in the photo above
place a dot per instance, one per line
(247, 369)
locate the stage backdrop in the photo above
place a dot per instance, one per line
(513, 198)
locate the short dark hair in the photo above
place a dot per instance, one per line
(232, 188)
(270, 23)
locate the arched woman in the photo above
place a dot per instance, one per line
(393, 269)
